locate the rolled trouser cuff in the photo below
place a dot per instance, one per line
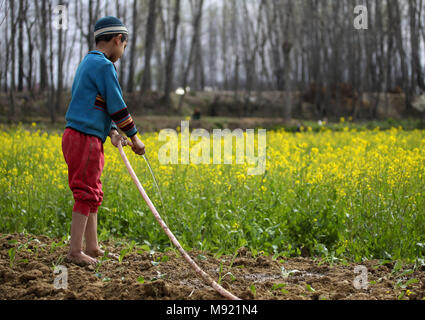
(82, 207)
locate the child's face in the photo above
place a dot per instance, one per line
(118, 48)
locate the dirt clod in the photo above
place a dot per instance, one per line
(30, 275)
(136, 277)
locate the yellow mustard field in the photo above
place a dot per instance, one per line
(349, 194)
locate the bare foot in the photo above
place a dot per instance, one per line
(80, 258)
(100, 253)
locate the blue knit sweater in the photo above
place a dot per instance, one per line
(97, 104)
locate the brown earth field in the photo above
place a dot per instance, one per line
(29, 274)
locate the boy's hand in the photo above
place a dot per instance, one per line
(137, 145)
(116, 138)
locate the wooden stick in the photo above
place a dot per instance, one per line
(170, 235)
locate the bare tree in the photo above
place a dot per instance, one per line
(212, 45)
(197, 7)
(51, 87)
(250, 37)
(60, 76)
(122, 14)
(87, 30)
(395, 17)
(21, 17)
(169, 68)
(306, 49)
(416, 68)
(286, 24)
(29, 25)
(11, 113)
(235, 48)
(224, 44)
(130, 82)
(149, 46)
(42, 31)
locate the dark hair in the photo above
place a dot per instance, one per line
(108, 37)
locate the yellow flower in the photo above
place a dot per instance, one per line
(33, 124)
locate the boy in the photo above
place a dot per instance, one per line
(96, 109)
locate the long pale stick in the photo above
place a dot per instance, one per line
(170, 235)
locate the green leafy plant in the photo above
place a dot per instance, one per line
(401, 284)
(127, 250)
(12, 255)
(310, 288)
(233, 259)
(59, 260)
(144, 248)
(141, 279)
(101, 260)
(279, 286)
(253, 290)
(232, 277)
(219, 273)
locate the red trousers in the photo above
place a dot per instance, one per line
(84, 157)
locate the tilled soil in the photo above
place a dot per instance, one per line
(142, 275)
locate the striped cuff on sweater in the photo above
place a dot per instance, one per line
(125, 122)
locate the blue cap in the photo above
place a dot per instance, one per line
(109, 25)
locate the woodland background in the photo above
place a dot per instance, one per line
(237, 58)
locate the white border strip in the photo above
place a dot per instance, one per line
(117, 29)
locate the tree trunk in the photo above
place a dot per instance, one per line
(149, 46)
(21, 17)
(224, 43)
(29, 77)
(11, 113)
(159, 65)
(59, 87)
(169, 68)
(195, 39)
(416, 73)
(6, 66)
(122, 14)
(42, 25)
(286, 49)
(394, 9)
(51, 88)
(130, 82)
